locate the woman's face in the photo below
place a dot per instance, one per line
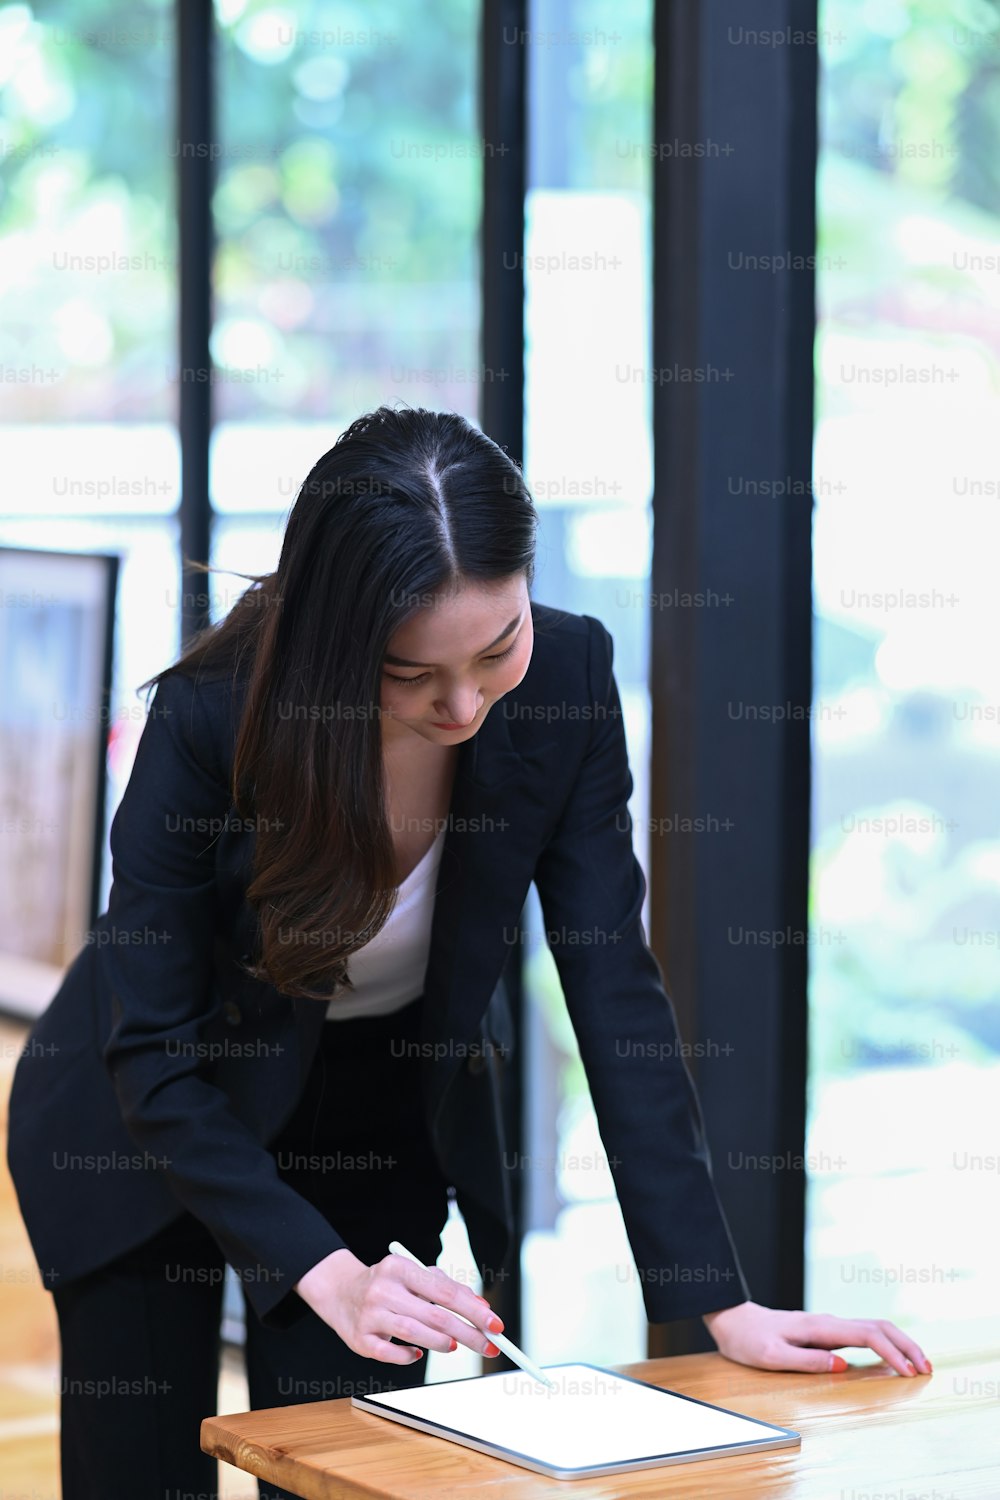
(453, 658)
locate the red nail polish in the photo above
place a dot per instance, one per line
(454, 1346)
(837, 1365)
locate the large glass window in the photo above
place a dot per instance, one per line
(588, 461)
(903, 1212)
(347, 212)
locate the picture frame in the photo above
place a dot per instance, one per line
(57, 618)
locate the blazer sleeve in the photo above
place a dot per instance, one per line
(649, 1117)
(161, 995)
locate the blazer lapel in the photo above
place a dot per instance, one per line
(499, 806)
(491, 842)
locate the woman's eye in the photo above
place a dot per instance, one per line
(501, 655)
(415, 681)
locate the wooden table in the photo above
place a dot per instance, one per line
(865, 1432)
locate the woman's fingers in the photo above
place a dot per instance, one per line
(436, 1328)
(426, 1300)
(888, 1341)
(435, 1285)
(443, 1329)
(376, 1347)
(911, 1350)
(900, 1351)
(417, 1330)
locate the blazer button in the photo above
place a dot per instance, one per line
(476, 1063)
(232, 1013)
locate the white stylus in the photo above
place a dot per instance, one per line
(511, 1350)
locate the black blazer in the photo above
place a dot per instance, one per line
(125, 1109)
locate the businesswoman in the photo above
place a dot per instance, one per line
(285, 1042)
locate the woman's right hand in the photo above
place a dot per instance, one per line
(369, 1305)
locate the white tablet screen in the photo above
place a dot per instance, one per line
(593, 1417)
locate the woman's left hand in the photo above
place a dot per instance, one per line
(773, 1339)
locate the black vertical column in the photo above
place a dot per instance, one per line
(195, 117)
(502, 116)
(502, 93)
(731, 682)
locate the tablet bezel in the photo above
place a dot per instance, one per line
(773, 1437)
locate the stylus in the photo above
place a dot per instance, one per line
(511, 1350)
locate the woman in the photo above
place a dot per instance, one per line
(285, 1042)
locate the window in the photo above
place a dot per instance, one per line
(905, 994)
(588, 462)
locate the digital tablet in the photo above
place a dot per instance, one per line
(594, 1422)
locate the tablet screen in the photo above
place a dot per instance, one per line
(591, 1419)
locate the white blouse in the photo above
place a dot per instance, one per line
(388, 972)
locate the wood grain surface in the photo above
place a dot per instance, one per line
(866, 1432)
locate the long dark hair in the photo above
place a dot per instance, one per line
(405, 506)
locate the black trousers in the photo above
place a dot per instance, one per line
(140, 1338)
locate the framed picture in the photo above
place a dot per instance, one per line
(57, 612)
